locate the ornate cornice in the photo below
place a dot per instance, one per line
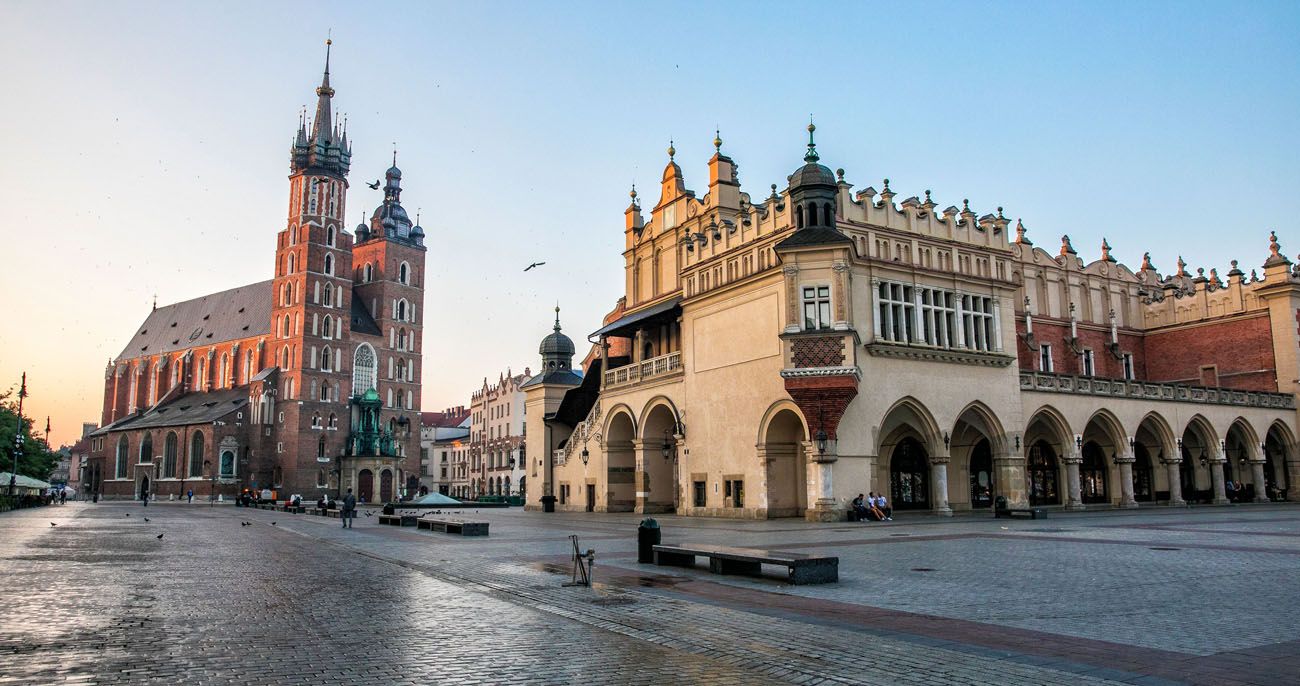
(1149, 391)
(909, 352)
(821, 371)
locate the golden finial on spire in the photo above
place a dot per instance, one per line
(717, 140)
(672, 152)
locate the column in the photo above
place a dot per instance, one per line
(1009, 481)
(939, 475)
(1216, 477)
(1073, 500)
(823, 507)
(1125, 463)
(1175, 483)
(1257, 475)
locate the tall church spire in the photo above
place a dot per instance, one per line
(322, 128)
(325, 151)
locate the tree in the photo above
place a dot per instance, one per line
(37, 460)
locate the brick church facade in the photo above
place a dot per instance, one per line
(305, 383)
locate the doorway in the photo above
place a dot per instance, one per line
(591, 497)
(366, 486)
(909, 481)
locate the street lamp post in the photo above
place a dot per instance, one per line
(18, 438)
(212, 492)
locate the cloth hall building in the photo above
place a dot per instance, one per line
(776, 356)
(308, 382)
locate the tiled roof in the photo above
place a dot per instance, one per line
(214, 318)
(442, 419)
(191, 408)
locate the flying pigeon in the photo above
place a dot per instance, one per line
(535, 264)
(53, 524)
(373, 186)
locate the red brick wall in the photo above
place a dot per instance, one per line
(1241, 348)
(1064, 359)
(823, 399)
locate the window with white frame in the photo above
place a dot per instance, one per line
(816, 307)
(1045, 358)
(938, 317)
(978, 322)
(1127, 362)
(1089, 363)
(896, 312)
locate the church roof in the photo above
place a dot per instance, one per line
(241, 312)
(191, 408)
(362, 321)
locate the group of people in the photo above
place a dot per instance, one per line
(873, 507)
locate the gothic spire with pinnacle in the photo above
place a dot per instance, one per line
(321, 127)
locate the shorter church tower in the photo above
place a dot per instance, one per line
(542, 397)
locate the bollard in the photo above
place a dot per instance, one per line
(648, 535)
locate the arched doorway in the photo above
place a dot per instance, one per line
(366, 486)
(1092, 474)
(620, 464)
(909, 478)
(782, 454)
(981, 475)
(1143, 478)
(1194, 472)
(386, 486)
(1041, 475)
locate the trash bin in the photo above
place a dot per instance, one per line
(389, 509)
(648, 535)
(548, 503)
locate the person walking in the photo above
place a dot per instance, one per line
(189, 497)
(349, 509)
(144, 498)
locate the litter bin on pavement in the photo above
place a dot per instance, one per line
(548, 503)
(648, 535)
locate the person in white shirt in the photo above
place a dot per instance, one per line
(883, 505)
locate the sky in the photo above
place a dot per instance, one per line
(143, 146)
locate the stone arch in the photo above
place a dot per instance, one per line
(909, 415)
(1048, 439)
(613, 412)
(655, 485)
(1241, 447)
(977, 436)
(1198, 448)
(783, 435)
(1279, 446)
(1103, 442)
(619, 443)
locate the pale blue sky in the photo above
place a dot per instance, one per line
(143, 146)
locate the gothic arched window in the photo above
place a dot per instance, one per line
(329, 265)
(327, 329)
(329, 236)
(403, 273)
(122, 447)
(369, 273)
(196, 455)
(327, 360)
(293, 262)
(363, 369)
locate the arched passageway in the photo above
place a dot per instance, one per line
(981, 475)
(1093, 475)
(782, 452)
(620, 467)
(1277, 484)
(656, 490)
(909, 479)
(1042, 474)
(1143, 475)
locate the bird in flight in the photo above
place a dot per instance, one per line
(373, 186)
(535, 264)
(53, 524)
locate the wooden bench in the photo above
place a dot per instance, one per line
(398, 520)
(801, 568)
(1031, 512)
(295, 509)
(453, 526)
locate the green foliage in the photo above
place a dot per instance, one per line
(37, 460)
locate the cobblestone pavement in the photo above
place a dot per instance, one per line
(1206, 595)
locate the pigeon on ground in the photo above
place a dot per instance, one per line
(272, 523)
(128, 514)
(160, 536)
(146, 519)
(53, 524)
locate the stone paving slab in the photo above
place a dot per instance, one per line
(215, 602)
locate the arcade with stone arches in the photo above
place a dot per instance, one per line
(1076, 456)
